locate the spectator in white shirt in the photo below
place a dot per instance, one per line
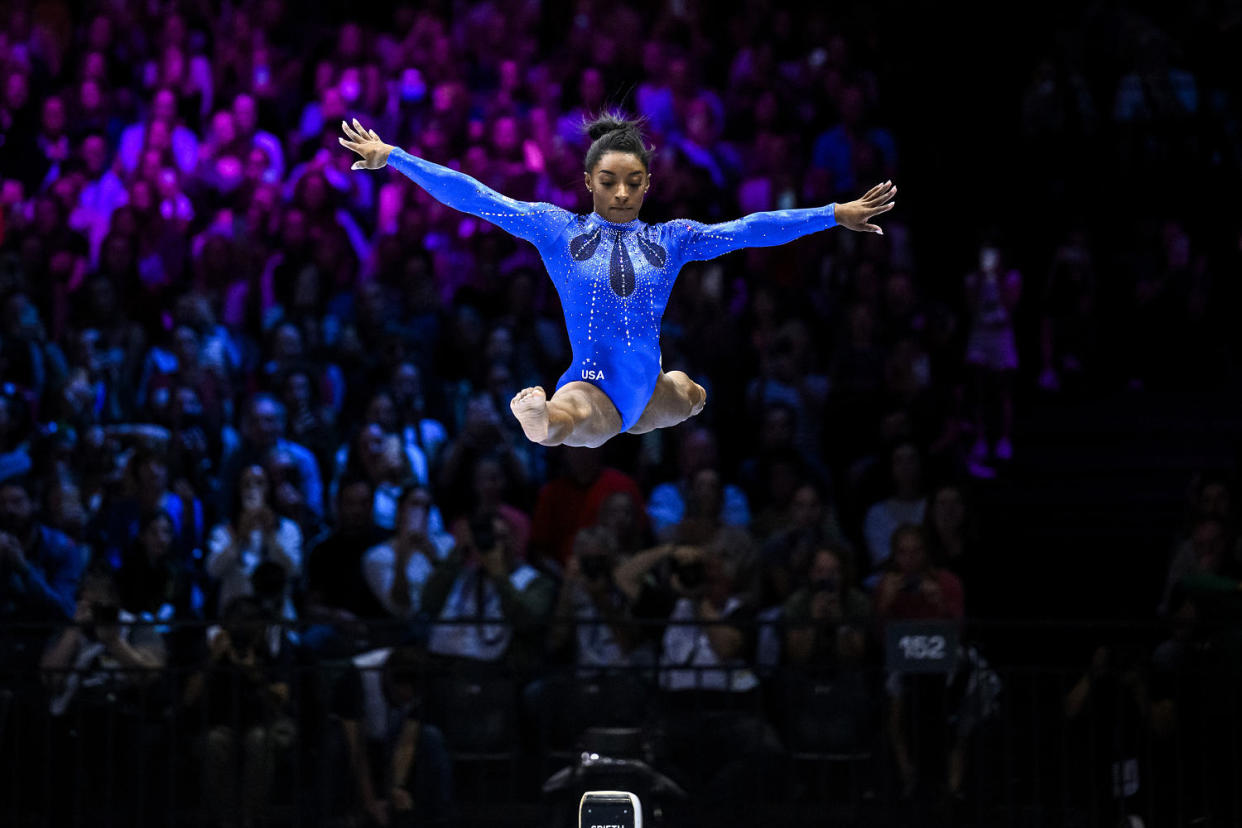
(252, 535)
(397, 570)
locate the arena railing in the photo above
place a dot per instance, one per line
(1022, 723)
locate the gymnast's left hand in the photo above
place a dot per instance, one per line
(366, 143)
(857, 215)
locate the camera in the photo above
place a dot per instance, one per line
(484, 534)
(594, 567)
(105, 615)
(609, 809)
(825, 585)
(691, 575)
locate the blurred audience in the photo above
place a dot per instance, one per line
(253, 389)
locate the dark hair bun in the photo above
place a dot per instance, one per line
(605, 124)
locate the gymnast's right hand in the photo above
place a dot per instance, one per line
(366, 143)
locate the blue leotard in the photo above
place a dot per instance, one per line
(614, 279)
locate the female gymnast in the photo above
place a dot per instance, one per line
(614, 274)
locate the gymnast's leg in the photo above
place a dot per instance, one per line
(676, 398)
(579, 414)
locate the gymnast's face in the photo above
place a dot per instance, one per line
(618, 185)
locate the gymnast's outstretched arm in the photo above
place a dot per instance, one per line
(699, 241)
(537, 222)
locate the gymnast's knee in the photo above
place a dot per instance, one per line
(698, 398)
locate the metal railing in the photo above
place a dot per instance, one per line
(1149, 729)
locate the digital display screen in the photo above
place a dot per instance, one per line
(607, 812)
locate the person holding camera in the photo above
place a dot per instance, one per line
(490, 608)
(712, 584)
(826, 621)
(102, 674)
(244, 690)
(652, 580)
(592, 613)
(912, 587)
(492, 491)
(99, 640)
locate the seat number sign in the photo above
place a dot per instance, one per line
(921, 646)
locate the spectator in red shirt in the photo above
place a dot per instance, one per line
(571, 501)
(913, 588)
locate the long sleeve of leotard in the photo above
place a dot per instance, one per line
(697, 241)
(536, 221)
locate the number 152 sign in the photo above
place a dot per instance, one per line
(920, 646)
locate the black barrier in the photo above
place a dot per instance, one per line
(1129, 723)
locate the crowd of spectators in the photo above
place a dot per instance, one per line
(248, 388)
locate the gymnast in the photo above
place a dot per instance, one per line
(614, 274)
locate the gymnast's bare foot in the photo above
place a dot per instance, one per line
(530, 406)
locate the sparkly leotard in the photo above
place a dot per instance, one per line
(614, 279)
